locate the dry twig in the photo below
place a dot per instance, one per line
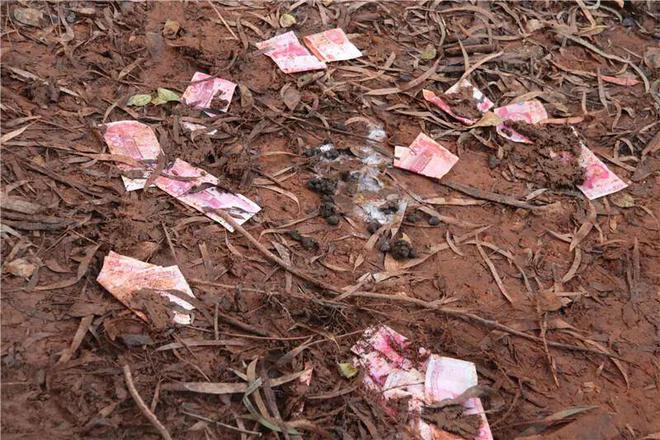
(143, 407)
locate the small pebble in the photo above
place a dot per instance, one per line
(295, 235)
(383, 245)
(434, 221)
(309, 244)
(333, 220)
(402, 250)
(331, 154)
(372, 227)
(322, 185)
(327, 209)
(412, 217)
(493, 161)
(390, 207)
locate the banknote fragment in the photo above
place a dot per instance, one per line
(385, 355)
(425, 156)
(332, 45)
(198, 189)
(289, 55)
(136, 141)
(205, 89)
(134, 283)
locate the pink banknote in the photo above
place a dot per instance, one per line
(531, 112)
(197, 188)
(202, 90)
(448, 378)
(289, 55)
(137, 141)
(424, 156)
(482, 102)
(428, 380)
(599, 181)
(125, 277)
(332, 45)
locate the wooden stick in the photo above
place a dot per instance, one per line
(470, 317)
(222, 19)
(486, 195)
(274, 258)
(143, 407)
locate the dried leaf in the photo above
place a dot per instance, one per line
(493, 271)
(138, 100)
(12, 134)
(291, 96)
(555, 418)
(585, 228)
(282, 191)
(489, 119)
(171, 29)
(19, 204)
(247, 101)
(622, 200)
(574, 267)
(621, 80)
(82, 270)
(20, 267)
(28, 16)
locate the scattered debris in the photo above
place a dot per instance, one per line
(422, 379)
(495, 258)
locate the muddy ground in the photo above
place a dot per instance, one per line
(69, 66)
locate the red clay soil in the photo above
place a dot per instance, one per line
(65, 340)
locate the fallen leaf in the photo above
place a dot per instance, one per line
(28, 16)
(171, 28)
(287, 20)
(247, 101)
(19, 204)
(428, 53)
(164, 96)
(20, 267)
(138, 100)
(489, 119)
(347, 370)
(584, 228)
(291, 96)
(622, 200)
(621, 80)
(12, 134)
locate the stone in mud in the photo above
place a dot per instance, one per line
(402, 250)
(333, 220)
(322, 185)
